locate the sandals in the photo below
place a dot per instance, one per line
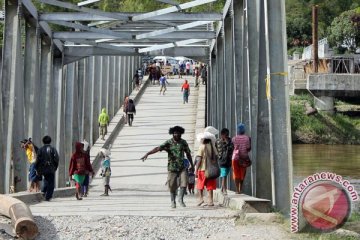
(200, 203)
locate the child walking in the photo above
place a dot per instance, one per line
(191, 181)
(130, 111)
(31, 153)
(163, 83)
(105, 169)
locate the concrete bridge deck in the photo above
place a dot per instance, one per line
(139, 187)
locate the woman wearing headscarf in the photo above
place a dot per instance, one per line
(207, 151)
(79, 166)
(242, 147)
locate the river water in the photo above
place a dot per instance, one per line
(343, 160)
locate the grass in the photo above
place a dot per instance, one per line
(321, 127)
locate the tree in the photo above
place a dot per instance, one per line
(345, 31)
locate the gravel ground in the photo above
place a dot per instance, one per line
(125, 227)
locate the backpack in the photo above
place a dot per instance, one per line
(49, 162)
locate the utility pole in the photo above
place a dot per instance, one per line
(315, 40)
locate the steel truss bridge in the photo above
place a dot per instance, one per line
(56, 82)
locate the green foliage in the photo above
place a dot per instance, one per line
(298, 17)
(345, 31)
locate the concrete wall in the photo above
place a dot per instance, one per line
(334, 85)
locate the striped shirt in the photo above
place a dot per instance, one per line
(242, 144)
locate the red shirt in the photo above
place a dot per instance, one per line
(185, 86)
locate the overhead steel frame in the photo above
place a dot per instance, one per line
(250, 48)
(41, 95)
(247, 38)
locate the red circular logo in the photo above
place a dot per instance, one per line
(326, 206)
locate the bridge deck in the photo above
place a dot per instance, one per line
(139, 187)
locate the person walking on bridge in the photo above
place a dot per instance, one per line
(185, 88)
(103, 123)
(46, 165)
(240, 157)
(225, 148)
(130, 111)
(176, 147)
(79, 166)
(163, 82)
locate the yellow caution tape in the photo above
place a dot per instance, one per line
(268, 79)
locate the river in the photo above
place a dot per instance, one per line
(343, 160)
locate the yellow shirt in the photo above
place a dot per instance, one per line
(30, 153)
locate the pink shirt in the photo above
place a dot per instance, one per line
(243, 144)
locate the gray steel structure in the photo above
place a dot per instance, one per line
(60, 82)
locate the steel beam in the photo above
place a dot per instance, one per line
(83, 3)
(30, 7)
(280, 127)
(171, 45)
(69, 111)
(91, 79)
(129, 35)
(12, 86)
(31, 79)
(96, 102)
(84, 9)
(117, 47)
(263, 175)
(45, 85)
(91, 29)
(83, 16)
(172, 29)
(182, 51)
(171, 9)
(84, 51)
(253, 16)
(171, 2)
(116, 70)
(81, 68)
(59, 109)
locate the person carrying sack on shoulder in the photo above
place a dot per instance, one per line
(240, 157)
(207, 167)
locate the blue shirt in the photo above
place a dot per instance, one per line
(162, 80)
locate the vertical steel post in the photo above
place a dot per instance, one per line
(105, 84)
(91, 80)
(46, 86)
(116, 83)
(126, 76)
(252, 22)
(239, 56)
(69, 112)
(96, 97)
(229, 68)
(111, 87)
(263, 175)
(13, 107)
(59, 109)
(220, 80)
(31, 78)
(279, 99)
(81, 81)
